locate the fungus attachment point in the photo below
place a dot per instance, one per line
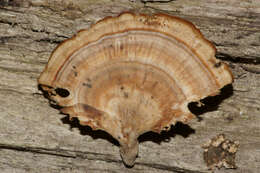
(129, 152)
(133, 73)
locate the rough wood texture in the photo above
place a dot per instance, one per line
(34, 137)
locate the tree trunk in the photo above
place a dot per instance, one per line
(34, 137)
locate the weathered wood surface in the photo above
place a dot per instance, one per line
(34, 137)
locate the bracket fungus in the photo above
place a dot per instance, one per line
(133, 73)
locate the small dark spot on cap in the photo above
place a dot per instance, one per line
(121, 47)
(92, 112)
(217, 65)
(122, 88)
(87, 85)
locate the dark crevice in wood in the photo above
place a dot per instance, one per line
(56, 40)
(8, 9)
(13, 3)
(55, 152)
(89, 156)
(8, 22)
(168, 168)
(238, 60)
(251, 70)
(5, 39)
(156, 1)
(227, 44)
(49, 40)
(39, 31)
(161, 10)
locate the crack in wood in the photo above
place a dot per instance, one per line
(10, 10)
(8, 23)
(168, 168)
(5, 39)
(156, 1)
(238, 60)
(254, 70)
(54, 152)
(49, 40)
(88, 155)
(2, 89)
(16, 70)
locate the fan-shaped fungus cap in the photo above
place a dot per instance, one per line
(131, 74)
